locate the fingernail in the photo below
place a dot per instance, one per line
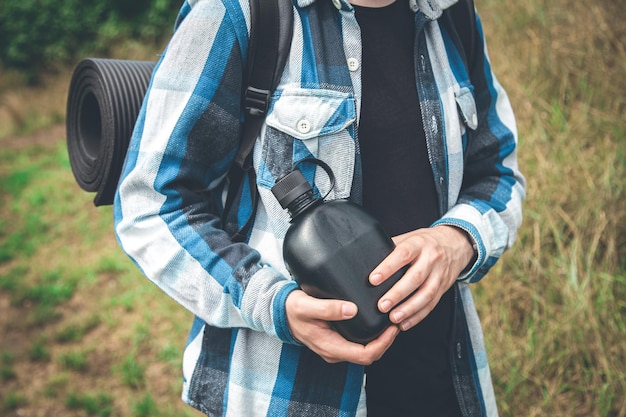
(398, 316)
(348, 310)
(385, 306)
(376, 278)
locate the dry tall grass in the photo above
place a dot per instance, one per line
(554, 309)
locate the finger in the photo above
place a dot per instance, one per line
(412, 280)
(415, 308)
(384, 341)
(313, 308)
(401, 238)
(345, 351)
(375, 349)
(333, 348)
(401, 256)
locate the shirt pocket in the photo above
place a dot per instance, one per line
(467, 105)
(468, 113)
(304, 123)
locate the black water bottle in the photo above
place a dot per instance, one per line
(331, 248)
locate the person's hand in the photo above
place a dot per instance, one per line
(436, 257)
(308, 319)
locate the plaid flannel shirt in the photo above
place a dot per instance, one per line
(240, 358)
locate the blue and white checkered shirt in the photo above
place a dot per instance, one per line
(241, 359)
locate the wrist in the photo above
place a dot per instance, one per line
(473, 245)
(474, 248)
(464, 244)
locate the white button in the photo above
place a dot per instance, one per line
(304, 126)
(474, 119)
(337, 4)
(353, 64)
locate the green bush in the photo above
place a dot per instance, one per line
(36, 35)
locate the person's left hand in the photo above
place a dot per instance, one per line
(436, 257)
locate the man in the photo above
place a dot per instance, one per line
(379, 91)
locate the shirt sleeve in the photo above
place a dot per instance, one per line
(489, 207)
(184, 142)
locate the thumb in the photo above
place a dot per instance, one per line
(323, 309)
(334, 310)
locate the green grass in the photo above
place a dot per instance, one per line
(132, 372)
(553, 309)
(145, 407)
(100, 404)
(7, 371)
(56, 385)
(13, 400)
(61, 273)
(74, 361)
(39, 352)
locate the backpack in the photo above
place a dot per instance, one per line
(105, 96)
(460, 21)
(267, 55)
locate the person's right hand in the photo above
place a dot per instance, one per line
(308, 319)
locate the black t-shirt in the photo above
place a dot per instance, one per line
(398, 185)
(413, 377)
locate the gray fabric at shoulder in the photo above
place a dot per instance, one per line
(432, 9)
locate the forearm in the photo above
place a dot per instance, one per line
(184, 142)
(191, 259)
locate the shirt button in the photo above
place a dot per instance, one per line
(353, 64)
(337, 4)
(304, 126)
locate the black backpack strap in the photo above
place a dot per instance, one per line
(460, 20)
(271, 29)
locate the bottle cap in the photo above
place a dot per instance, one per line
(290, 187)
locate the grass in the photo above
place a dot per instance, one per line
(7, 371)
(13, 401)
(62, 277)
(74, 332)
(132, 372)
(39, 351)
(74, 360)
(56, 385)
(145, 407)
(559, 310)
(554, 311)
(100, 404)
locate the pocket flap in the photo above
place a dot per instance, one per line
(467, 106)
(308, 113)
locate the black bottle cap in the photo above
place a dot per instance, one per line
(290, 187)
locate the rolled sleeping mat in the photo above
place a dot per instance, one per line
(104, 99)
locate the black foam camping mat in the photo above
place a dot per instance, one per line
(104, 98)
